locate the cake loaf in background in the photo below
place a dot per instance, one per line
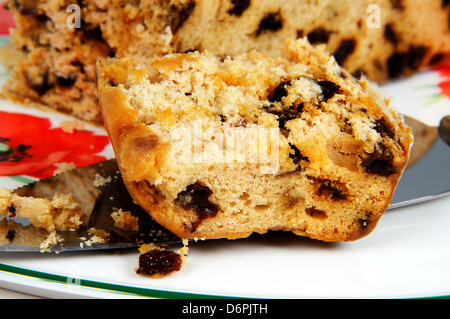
(60, 40)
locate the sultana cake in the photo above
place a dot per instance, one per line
(383, 39)
(222, 147)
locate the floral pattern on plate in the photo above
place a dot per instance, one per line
(29, 145)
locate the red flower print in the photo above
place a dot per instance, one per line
(30, 146)
(443, 69)
(444, 72)
(6, 20)
(445, 88)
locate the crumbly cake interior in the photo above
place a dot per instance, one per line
(43, 218)
(339, 148)
(382, 39)
(58, 213)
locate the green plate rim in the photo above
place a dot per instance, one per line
(109, 287)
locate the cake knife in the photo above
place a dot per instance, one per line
(98, 200)
(427, 176)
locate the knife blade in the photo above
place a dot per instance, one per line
(427, 177)
(100, 192)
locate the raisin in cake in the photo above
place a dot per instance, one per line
(380, 38)
(217, 147)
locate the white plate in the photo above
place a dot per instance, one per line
(407, 256)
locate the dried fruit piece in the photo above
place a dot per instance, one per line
(155, 262)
